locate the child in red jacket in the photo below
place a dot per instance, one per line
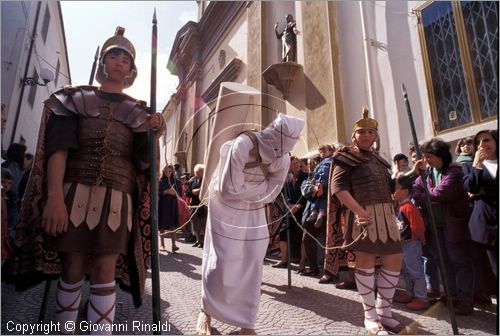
(412, 230)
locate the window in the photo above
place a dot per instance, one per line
(46, 22)
(460, 50)
(32, 94)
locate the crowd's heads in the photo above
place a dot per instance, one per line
(412, 152)
(439, 149)
(15, 153)
(294, 165)
(492, 133)
(404, 182)
(401, 161)
(7, 179)
(314, 160)
(304, 165)
(398, 157)
(198, 170)
(326, 150)
(465, 145)
(168, 170)
(402, 187)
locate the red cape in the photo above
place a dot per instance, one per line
(33, 263)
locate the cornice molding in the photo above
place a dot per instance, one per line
(216, 20)
(229, 73)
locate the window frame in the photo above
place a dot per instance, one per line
(467, 66)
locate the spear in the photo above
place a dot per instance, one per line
(432, 221)
(155, 274)
(94, 66)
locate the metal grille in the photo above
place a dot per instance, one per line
(448, 79)
(481, 23)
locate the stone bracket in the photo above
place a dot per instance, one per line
(281, 76)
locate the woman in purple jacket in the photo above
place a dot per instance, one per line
(451, 211)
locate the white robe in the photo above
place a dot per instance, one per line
(236, 235)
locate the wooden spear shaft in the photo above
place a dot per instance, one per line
(432, 221)
(155, 273)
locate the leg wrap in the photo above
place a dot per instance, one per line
(101, 308)
(365, 281)
(386, 286)
(67, 302)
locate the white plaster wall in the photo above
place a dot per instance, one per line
(394, 57)
(234, 42)
(44, 55)
(352, 63)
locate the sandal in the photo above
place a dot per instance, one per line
(378, 330)
(325, 279)
(399, 329)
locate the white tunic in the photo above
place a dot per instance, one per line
(236, 235)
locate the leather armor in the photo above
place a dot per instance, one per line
(104, 156)
(105, 136)
(370, 178)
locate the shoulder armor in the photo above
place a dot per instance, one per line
(382, 160)
(82, 100)
(350, 156)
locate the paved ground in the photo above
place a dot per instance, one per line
(306, 308)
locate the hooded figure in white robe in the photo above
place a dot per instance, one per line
(237, 236)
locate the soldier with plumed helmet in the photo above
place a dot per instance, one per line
(361, 182)
(86, 206)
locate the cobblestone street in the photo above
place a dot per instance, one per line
(307, 308)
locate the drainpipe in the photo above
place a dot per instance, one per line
(367, 56)
(30, 52)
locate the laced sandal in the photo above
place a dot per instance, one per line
(378, 330)
(399, 328)
(60, 308)
(372, 325)
(103, 316)
(384, 304)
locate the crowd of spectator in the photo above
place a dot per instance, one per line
(464, 203)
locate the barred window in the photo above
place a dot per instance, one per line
(460, 50)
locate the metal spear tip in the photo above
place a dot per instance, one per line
(403, 87)
(96, 56)
(154, 16)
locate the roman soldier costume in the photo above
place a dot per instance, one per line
(105, 184)
(366, 175)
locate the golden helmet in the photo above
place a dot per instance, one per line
(117, 41)
(365, 122)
